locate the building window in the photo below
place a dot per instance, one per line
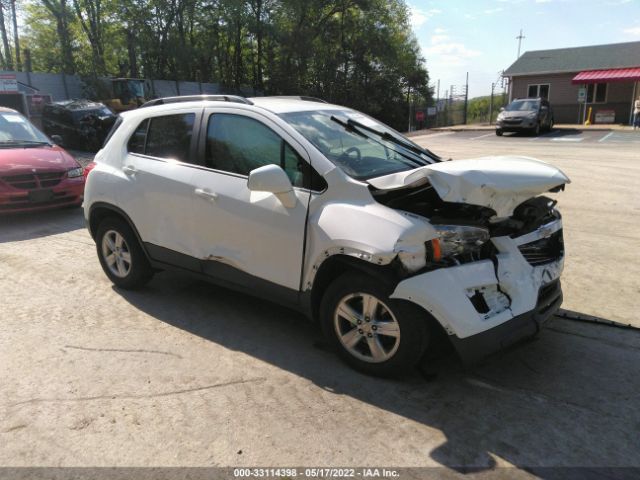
(597, 93)
(538, 90)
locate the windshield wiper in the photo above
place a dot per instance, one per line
(356, 129)
(396, 140)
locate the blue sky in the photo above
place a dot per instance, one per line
(479, 36)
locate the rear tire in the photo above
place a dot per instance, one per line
(392, 334)
(121, 255)
(499, 132)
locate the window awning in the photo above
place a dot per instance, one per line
(603, 76)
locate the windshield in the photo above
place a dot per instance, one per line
(14, 128)
(523, 105)
(353, 142)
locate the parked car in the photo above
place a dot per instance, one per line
(81, 124)
(35, 174)
(326, 210)
(532, 115)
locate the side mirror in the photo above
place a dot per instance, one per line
(502, 109)
(271, 178)
(57, 139)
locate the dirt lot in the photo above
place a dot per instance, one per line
(186, 374)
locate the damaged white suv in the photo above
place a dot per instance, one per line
(328, 211)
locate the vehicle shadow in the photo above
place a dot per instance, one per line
(27, 226)
(555, 132)
(568, 398)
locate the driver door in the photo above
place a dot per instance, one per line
(246, 237)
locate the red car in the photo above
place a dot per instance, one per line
(35, 174)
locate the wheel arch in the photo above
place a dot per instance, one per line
(99, 211)
(339, 264)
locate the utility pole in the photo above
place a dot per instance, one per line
(409, 102)
(493, 85)
(438, 103)
(519, 38)
(466, 99)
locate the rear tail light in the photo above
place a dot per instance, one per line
(88, 168)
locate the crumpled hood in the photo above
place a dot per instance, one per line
(501, 183)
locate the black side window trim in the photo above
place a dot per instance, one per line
(195, 136)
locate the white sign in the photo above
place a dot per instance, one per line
(582, 95)
(8, 84)
(605, 116)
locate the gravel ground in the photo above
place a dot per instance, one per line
(182, 373)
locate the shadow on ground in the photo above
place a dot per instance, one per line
(569, 398)
(554, 133)
(28, 226)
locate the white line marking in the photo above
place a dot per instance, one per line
(482, 136)
(431, 135)
(564, 139)
(605, 137)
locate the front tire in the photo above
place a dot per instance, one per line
(499, 132)
(536, 130)
(371, 332)
(121, 256)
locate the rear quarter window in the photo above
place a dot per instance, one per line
(168, 136)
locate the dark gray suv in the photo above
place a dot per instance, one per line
(525, 115)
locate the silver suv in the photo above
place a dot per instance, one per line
(533, 115)
(326, 210)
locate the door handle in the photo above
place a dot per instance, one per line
(129, 170)
(201, 192)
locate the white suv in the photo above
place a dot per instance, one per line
(326, 210)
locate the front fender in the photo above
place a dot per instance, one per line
(367, 231)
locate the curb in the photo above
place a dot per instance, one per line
(416, 133)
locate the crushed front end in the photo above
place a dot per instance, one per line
(489, 281)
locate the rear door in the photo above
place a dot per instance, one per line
(158, 195)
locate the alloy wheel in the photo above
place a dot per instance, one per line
(367, 328)
(116, 253)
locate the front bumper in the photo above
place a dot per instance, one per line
(510, 295)
(519, 126)
(68, 192)
(521, 327)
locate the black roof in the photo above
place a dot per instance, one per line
(566, 60)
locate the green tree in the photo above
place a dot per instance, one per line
(359, 53)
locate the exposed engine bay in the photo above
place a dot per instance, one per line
(423, 200)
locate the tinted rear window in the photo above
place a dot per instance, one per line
(164, 137)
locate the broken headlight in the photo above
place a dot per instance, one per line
(454, 240)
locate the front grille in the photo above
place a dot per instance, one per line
(512, 120)
(50, 179)
(18, 203)
(543, 251)
(33, 181)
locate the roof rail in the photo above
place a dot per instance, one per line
(306, 98)
(196, 98)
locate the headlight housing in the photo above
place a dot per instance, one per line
(454, 240)
(75, 172)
